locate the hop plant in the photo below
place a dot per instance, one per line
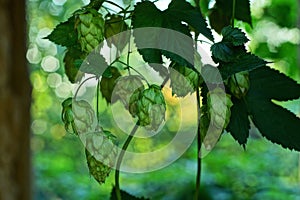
(184, 80)
(101, 153)
(219, 104)
(149, 106)
(90, 28)
(239, 84)
(126, 86)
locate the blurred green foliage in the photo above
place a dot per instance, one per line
(263, 171)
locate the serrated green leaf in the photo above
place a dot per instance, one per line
(246, 62)
(222, 52)
(234, 36)
(270, 84)
(239, 124)
(274, 122)
(184, 11)
(211, 74)
(64, 33)
(94, 64)
(147, 15)
(124, 196)
(107, 84)
(222, 11)
(73, 60)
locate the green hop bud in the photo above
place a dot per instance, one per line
(219, 104)
(90, 27)
(126, 86)
(113, 25)
(101, 153)
(78, 116)
(149, 106)
(97, 169)
(67, 116)
(184, 80)
(108, 82)
(239, 84)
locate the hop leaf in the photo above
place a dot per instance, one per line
(126, 86)
(90, 27)
(73, 59)
(239, 84)
(149, 106)
(108, 82)
(219, 104)
(114, 25)
(184, 80)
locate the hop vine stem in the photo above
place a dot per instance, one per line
(119, 161)
(199, 143)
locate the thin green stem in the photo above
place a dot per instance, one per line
(97, 102)
(203, 41)
(199, 143)
(112, 3)
(119, 161)
(81, 84)
(233, 12)
(128, 66)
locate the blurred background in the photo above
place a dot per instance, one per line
(262, 171)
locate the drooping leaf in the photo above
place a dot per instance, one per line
(222, 52)
(94, 64)
(124, 196)
(184, 11)
(234, 36)
(218, 19)
(239, 124)
(270, 84)
(246, 62)
(274, 122)
(211, 74)
(221, 13)
(64, 33)
(114, 25)
(178, 48)
(71, 59)
(147, 15)
(107, 83)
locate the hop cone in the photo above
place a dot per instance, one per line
(219, 104)
(149, 106)
(90, 27)
(101, 154)
(108, 83)
(126, 86)
(239, 84)
(184, 80)
(67, 116)
(78, 116)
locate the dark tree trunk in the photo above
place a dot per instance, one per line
(15, 95)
